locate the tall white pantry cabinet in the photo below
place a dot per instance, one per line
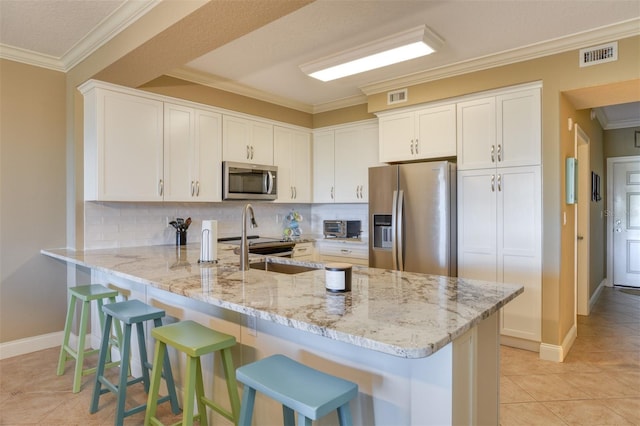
(500, 202)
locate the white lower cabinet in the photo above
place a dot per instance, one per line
(356, 253)
(500, 239)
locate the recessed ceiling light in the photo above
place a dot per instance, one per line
(409, 44)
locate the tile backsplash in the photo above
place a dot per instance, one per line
(120, 224)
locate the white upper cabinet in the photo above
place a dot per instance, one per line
(418, 134)
(500, 131)
(123, 146)
(323, 167)
(247, 141)
(138, 148)
(341, 160)
(292, 155)
(192, 154)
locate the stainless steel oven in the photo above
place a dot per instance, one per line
(242, 181)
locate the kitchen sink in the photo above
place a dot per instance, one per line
(282, 268)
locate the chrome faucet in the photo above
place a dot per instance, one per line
(244, 245)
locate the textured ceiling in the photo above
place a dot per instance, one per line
(265, 63)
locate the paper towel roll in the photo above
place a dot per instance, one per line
(209, 243)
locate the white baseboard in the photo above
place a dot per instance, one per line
(596, 294)
(30, 344)
(37, 343)
(558, 353)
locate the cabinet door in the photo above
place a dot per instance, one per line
(128, 154)
(519, 129)
(301, 165)
(207, 156)
(179, 140)
(247, 141)
(477, 224)
(283, 158)
(396, 137)
(323, 167)
(436, 132)
(519, 248)
(476, 134)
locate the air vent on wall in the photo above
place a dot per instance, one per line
(397, 96)
(599, 54)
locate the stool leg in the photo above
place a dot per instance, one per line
(303, 420)
(232, 385)
(67, 331)
(246, 410)
(344, 415)
(189, 390)
(82, 332)
(142, 347)
(154, 388)
(168, 376)
(104, 348)
(202, 408)
(101, 320)
(122, 384)
(289, 416)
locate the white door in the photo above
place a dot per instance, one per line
(626, 224)
(476, 135)
(323, 167)
(396, 137)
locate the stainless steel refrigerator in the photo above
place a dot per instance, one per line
(412, 217)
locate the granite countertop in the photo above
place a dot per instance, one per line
(404, 314)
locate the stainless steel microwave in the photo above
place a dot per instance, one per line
(243, 181)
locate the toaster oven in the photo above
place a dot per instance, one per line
(342, 228)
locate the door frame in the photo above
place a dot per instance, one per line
(582, 222)
(609, 212)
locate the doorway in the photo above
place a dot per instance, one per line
(623, 221)
(583, 222)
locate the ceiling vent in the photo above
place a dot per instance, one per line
(397, 97)
(599, 54)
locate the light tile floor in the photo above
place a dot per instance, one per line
(598, 384)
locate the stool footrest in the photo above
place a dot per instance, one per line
(217, 408)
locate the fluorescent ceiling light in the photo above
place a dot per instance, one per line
(406, 45)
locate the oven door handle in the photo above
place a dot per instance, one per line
(269, 183)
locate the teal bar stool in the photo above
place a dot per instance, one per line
(194, 340)
(130, 312)
(298, 388)
(85, 294)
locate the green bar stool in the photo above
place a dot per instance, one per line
(297, 387)
(85, 294)
(194, 340)
(130, 312)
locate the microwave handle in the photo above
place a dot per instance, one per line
(269, 182)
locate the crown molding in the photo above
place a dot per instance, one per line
(606, 124)
(216, 82)
(112, 25)
(595, 36)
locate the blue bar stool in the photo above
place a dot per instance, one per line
(130, 312)
(85, 294)
(298, 388)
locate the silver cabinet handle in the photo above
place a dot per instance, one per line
(493, 183)
(248, 152)
(493, 153)
(161, 188)
(411, 146)
(252, 152)
(499, 182)
(499, 152)
(197, 188)
(193, 188)
(295, 192)
(346, 251)
(301, 250)
(416, 143)
(332, 192)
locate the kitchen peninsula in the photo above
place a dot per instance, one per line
(423, 349)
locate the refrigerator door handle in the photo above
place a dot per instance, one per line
(400, 231)
(394, 235)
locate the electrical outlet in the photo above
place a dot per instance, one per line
(252, 326)
(278, 218)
